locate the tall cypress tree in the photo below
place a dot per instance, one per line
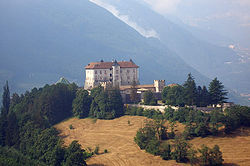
(6, 99)
(4, 113)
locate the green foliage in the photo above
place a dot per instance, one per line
(27, 128)
(12, 130)
(216, 119)
(106, 104)
(189, 94)
(190, 90)
(210, 157)
(105, 151)
(217, 92)
(55, 102)
(153, 146)
(144, 135)
(203, 97)
(71, 127)
(192, 156)
(173, 95)
(5, 99)
(149, 99)
(138, 111)
(165, 151)
(81, 104)
(12, 157)
(75, 155)
(235, 117)
(180, 150)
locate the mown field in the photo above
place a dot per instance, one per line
(117, 136)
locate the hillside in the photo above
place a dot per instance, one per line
(235, 147)
(117, 137)
(114, 135)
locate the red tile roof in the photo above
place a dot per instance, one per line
(108, 65)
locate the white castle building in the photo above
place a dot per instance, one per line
(116, 73)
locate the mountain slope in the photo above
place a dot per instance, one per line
(209, 58)
(44, 40)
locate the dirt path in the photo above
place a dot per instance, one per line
(117, 136)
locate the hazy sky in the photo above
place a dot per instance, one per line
(228, 17)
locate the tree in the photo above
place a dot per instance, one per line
(180, 150)
(4, 113)
(199, 96)
(149, 98)
(12, 130)
(216, 117)
(153, 146)
(173, 95)
(210, 157)
(165, 151)
(217, 92)
(74, 155)
(6, 99)
(81, 104)
(145, 134)
(216, 156)
(205, 97)
(190, 90)
(106, 104)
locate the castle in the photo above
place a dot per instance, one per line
(123, 74)
(117, 73)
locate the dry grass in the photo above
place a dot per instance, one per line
(235, 147)
(117, 136)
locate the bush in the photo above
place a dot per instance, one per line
(165, 151)
(71, 127)
(105, 151)
(211, 157)
(153, 147)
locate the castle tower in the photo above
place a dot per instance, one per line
(159, 85)
(116, 74)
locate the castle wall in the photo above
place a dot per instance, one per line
(119, 76)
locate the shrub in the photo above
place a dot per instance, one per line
(71, 127)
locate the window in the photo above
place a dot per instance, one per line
(128, 77)
(105, 71)
(100, 72)
(134, 70)
(95, 72)
(120, 71)
(116, 71)
(128, 71)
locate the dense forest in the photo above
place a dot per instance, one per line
(27, 136)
